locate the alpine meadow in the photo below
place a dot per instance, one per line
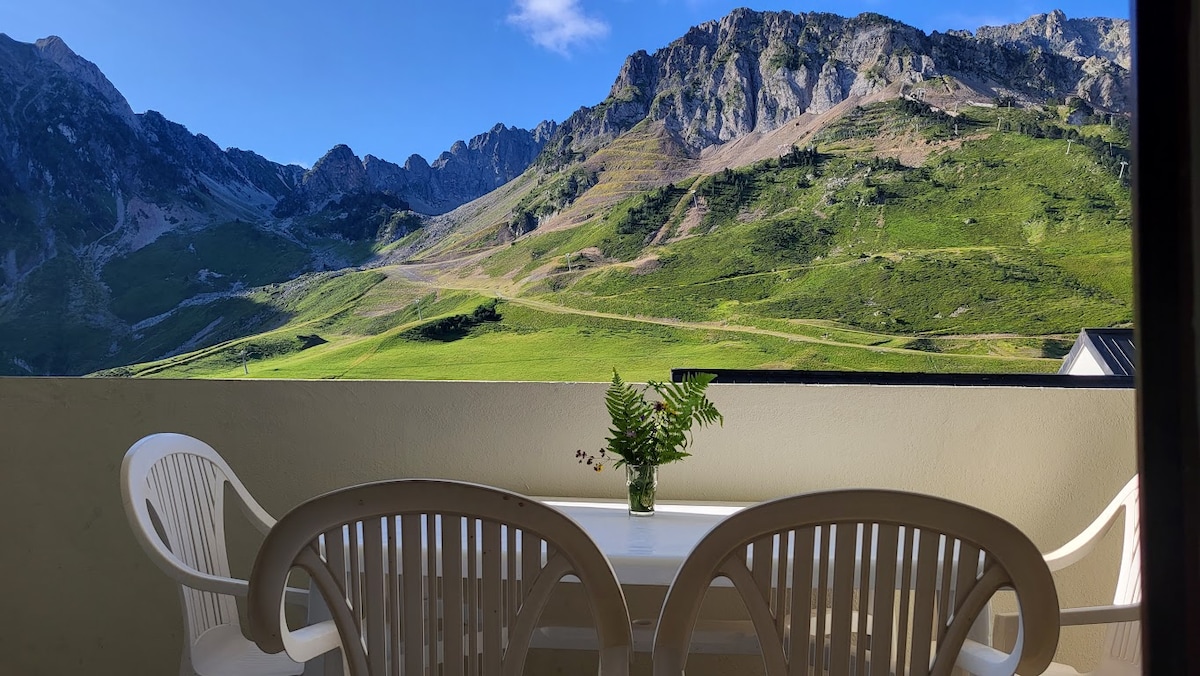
(770, 190)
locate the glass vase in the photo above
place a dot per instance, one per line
(642, 482)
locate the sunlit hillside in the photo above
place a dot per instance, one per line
(901, 239)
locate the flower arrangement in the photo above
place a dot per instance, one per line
(648, 433)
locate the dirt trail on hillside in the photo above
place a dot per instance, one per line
(431, 272)
(418, 274)
(722, 326)
(434, 274)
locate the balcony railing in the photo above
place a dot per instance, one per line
(84, 598)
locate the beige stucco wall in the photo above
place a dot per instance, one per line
(82, 598)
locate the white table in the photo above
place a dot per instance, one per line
(646, 550)
(643, 550)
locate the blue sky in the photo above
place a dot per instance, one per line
(291, 80)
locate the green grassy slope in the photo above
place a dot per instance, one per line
(985, 253)
(1005, 234)
(534, 344)
(177, 266)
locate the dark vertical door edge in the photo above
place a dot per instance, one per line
(1166, 92)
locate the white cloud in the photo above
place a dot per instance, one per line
(557, 25)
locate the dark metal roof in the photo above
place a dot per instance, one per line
(797, 377)
(1111, 348)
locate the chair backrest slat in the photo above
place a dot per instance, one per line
(908, 548)
(968, 571)
(841, 610)
(492, 600)
(946, 593)
(512, 592)
(865, 585)
(435, 590)
(871, 548)
(924, 595)
(335, 547)
(354, 573)
(822, 590)
(412, 624)
(453, 579)
(395, 596)
(373, 578)
(779, 586)
(760, 555)
(456, 589)
(474, 623)
(179, 491)
(887, 540)
(799, 645)
(531, 559)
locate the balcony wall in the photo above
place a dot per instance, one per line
(82, 597)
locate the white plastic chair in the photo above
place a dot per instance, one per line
(936, 564)
(430, 576)
(173, 489)
(1122, 654)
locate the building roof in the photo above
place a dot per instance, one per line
(1111, 349)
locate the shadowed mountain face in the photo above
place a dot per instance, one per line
(86, 185)
(457, 176)
(116, 226)
(464, 172)
(83, 169)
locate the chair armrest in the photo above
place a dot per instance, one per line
(308, 642)
(1081, 545)
(1069, 617)
(210, 583)
(255, 514)
(1005, 625)
(233, 586)
(981, 660)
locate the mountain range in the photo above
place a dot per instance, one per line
(755, 71)
(114, 222)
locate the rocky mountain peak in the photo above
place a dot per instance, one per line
(416, 163)
(55, 50)
(544, 130)
(1078, 39)
(755, 71)
(467, 170)
(473, 168)
(739, 21)
(636, 78)
(339, 153)
(339, 172)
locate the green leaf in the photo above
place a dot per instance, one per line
(654, 433)
(627, 408)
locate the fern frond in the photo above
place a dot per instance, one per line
(628, 410)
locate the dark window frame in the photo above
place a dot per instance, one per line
(1166, 237)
